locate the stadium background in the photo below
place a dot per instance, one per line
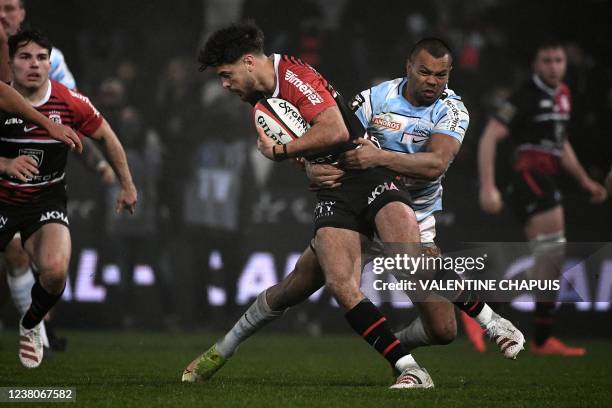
(217, 223)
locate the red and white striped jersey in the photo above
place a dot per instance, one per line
(18, 137)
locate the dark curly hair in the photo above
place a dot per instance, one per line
(228, 44)
(24, 37)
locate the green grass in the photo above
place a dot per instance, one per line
(143, 369)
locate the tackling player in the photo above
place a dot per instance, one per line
(306, 278)
(536, 117)
(32, 186)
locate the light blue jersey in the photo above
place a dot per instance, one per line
(59, 70)
(403, 128)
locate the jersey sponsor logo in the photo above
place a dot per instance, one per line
(13, 121)
(84, 99)
(3, 221)
(356, 102)
(54, 215)
(386, 122)
(36, 154)
(324, 209)
(381, 188)
(453, 113)
(306, 89)
(55, 117)
(412, 138)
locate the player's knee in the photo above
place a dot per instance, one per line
(53, 267)
(443, 333)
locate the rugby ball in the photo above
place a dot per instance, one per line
(280, 120)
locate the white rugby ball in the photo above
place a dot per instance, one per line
(280, 120)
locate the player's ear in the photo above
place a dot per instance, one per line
(249, 62)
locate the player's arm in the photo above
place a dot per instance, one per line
(490, 197)
(327, 130)
(12, 101)
(93, 158)
(114, 153)
(428, 165)
(570, 163)
(5, 69)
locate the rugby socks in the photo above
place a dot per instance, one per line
(369, 323)
(21, 288)
(42, 302)
(414, 335)
(543, 321)
(470, 303)
(257, 316)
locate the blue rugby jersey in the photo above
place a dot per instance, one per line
(403, 128)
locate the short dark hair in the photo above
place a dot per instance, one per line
(24, 37)
(228, 44)
(545, 44)
(435, 46)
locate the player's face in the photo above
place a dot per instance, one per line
(237, 79)
(31, 66)
(428, 77)
(550, 65)
(11, 15)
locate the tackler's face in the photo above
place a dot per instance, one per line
(31, 65)
(427, 77)
(550, 65)
(237, 78)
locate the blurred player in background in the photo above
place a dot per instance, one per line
(16, 263)
(536, 117)
(306, 277)
(32, 186)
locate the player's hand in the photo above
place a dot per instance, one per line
(66, 135)
(365, 156)
(126, 199)
(265, 145)
(106, 173)
(323, 175)
(23, 167)
(490, 200)
(597, 191)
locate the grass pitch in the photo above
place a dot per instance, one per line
(118, 369)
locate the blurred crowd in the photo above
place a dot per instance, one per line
(190, 144)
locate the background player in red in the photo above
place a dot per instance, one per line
(32, 186)
(16, 263)
(536, 117)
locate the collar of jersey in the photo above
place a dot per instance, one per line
(277, 58)
(540, 84)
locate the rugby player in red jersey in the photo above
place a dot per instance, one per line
(32, 178)
(536, 118)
